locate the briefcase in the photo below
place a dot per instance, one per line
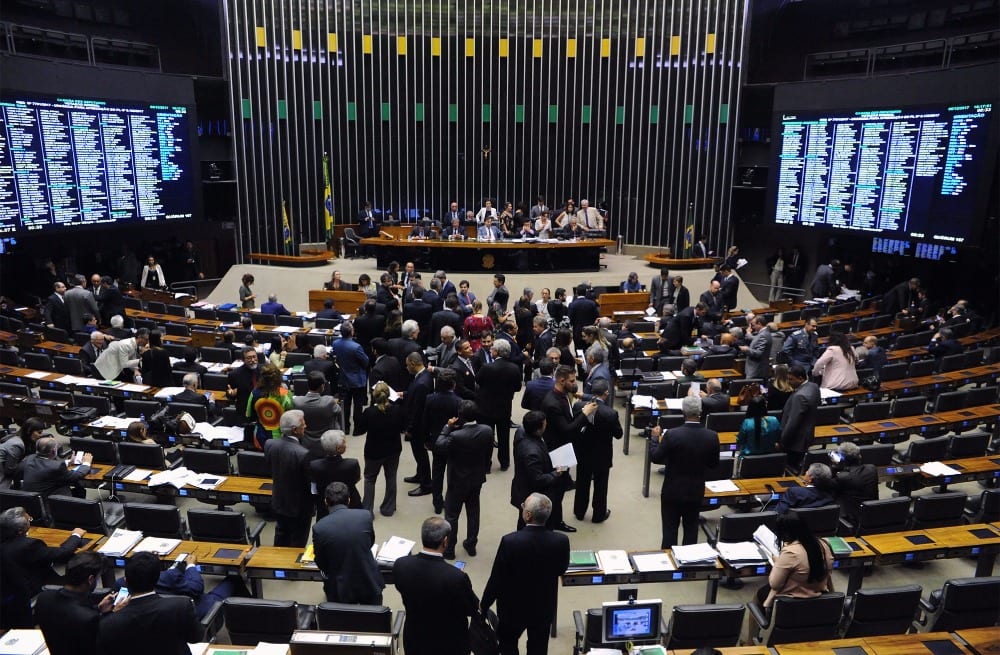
(483, 634)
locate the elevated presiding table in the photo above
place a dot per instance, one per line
(501, 256)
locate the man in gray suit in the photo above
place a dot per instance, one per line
(758, 353)
(79, 301)
(342, 541)
(322, 413)
(798, 418)
(660, 288)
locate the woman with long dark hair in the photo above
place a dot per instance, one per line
(155, 362)
(759, 432)
(802, 568)
(836, 365)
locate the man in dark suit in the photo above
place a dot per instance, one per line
(758, 352)
(334, 467)
(272, 306)
(713, 401)
(438, 597)
(534, 473)
(671, 339)
(498, 382)
(453, 230)
(597, 368)
(700, 248)
(524, 581)
(447, 286)
(855, 481)
(415, 400)
(353, 375)
(420, 311)
(465, 381)
(593, 448)
(190, 394)
(291, 497)
(536, 390)
(687, 451)
(542, 339)
(369, 325)
(367, 225)
(467, 445)
(45, 472)
(342, 541)
(817, 492)
(329, 311)
(447, 316)
(498, 298)
(91, 351)
(660, 288)
(825, 284)
(164, 625)
(440, 407)
(112, 301)
(730, 287)
(386, 368)
(243, 380)
(422, 231)
(901, 296)
(484, 355)
(689, 320)
(798, 418)
(508, 333)
(26, 565)
(712, 299)
(402, 346)
(67, 617)
(80, 302)
(432, 295)
(321, 362)
(943, 344)
(582, 312)
(55, 312)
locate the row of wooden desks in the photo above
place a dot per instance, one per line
(983, 338)
(91, 386)
(920, 643)
(234, 489)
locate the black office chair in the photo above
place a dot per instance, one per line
(156, 307)
(870, 412)
(200, 460)
(914, 406)
(9, 357)
(873, 612)
(176, 350)
(32, 502)
(698, 626)
(721, 471)
(954, 362)
(725, 421)
(100, 403)
(15, 389)
(739, 526)
(350, 243)
(949, 401)
(142, 455)
(56, 334)
(38, 361)
(823, 521)
(252, 620)
(263, 319)
(69, 513)
(735, 386)
(974, 358)
(252, 464)
(984, 508)
(937, 510)
(714, 362)
(162, 521)
(644, 364)
(879, 454)
(205, 314)
(962, 603)
(289, 321)
(658, 390)
(797, 619)
(922, 367)
(973, 444)
(68, 365)
(138, 408)
(924, 450)
(227, 316)
(177, 330)
(815, 456)
(215, 382)
(103, 450)
(829, 414)
(981, 395)
(327, 323)
(216, 355)
(371, 619)
(771, 465)
(892, 372)
(296, 359)
(198, 412)
(866, 324)
(222, 526)
(878, 517)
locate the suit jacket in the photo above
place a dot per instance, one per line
(687, 322)
(324, 366)
(453, 232)
(387, 369)
(802, 497)
(798, 418)
(414, 402)
(439, 407)
(342, 541)
(421, 312)
(335, 468)
(367, 225)
(191, 397)
(670, 334)
(717, 402)
(533, 470)
(441, 319)
(366, 328)
(714, 303)
(244, 380)
(438, 598)
(759, 355)
(699, 251)
(688, 451)
(594, 447)
(288, 459)
(468, 449)
(26, 565)
(330, 313)
(498, 382)
(535, 392)
(825, 282)
(582, 312)
(50, 477)
(856, 484)
(275, 308)
(79, 301)
(164, 625)
(681, 297)
(599, 372)
(524, 581)
(540, 344)
(155, 366)
(112, 303)
(69, 622)
(420, 232)
(730, 291)
(353, 363)
(56, 312)
(656, 291)
(562, 424)
(383, 430)
(400, 348)
(465, 384)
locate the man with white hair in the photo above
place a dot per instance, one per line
(190, 393)
(321, 362)
(272, 306)
(400, 347)
(334, 467)
(498, 381)
(291, 496)
(91, 351)
(120, 360)
(445, 350)
(590, 217)
(688, 452)
(118, 329)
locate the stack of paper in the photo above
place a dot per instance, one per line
(767, 540)
(721, 486)
(614, 561)
(564, 455)
(937, 469)
(695, 555)
(393, 549)
(168, 392)
(157, 545)
(111, 422)
(582, 560)
(826, 394)
(741, 553)
(643, 402)
(206, 481)
(177, 477)
(209, 432)
(22, 642)
(649, 562)
(120, 542)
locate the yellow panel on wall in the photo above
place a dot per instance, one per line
(536, 48)
(261, 37)
(400, 45)
(470, 47)
(435, 46)
(296, 39)
(570, 48)
(366, 44)
(605, 47)
(640, 46)
(710, 43)
(331, 42)
(675, 46)
(503, 47)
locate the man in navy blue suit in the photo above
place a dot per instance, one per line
(536, 390)
(272, 306)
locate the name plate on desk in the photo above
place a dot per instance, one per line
(321, 642)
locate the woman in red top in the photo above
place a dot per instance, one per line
(476, 325)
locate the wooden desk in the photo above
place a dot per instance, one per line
(732, 650)
(55, 537)
(821, 647)
(278, 563)
(563, 256)
(984, 641)
(663, 260)
(911, 644)
(977, 539)
(612, 304)
(234, 489)
(58, 349)
(899, 547)
(346, 302)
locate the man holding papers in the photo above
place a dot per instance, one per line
(687, 451)
(534, 473)
(594, 453)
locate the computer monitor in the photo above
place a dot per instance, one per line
(631, 621)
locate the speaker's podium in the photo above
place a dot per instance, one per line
(326, 642)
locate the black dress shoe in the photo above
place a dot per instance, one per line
(504, 468)
(602, 519)
(449, 554)
(438, 507)
(411, 479)
(564, 527)
(579, 517)
(469, 548)
(419, 491)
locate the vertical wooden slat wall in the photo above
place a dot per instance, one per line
(631, 104)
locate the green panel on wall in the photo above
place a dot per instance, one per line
(452, 113)
(585, 114)
(620, 115)
(282, 109)
(553, 113)
(654, 114)
(418, 112)
(352, 111)
(247, 108)
(518, 113)
(317, 109)
(688, 114)
(487, 113)
(386, 111)
(724, 113)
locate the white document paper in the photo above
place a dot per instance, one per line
(264, 648)
(209, 432)
(650, 311)
(156, 545)
(643, 402)
(199, 648)
(767, 540)
(120, 542)
(393, 394)
(614, 561)
(74, 380)
(111, 422)
(721, 486)
(167, 392)
(395, 548)
(742, 551)
(674, 404)
(694, 554)
(22, 642)
(647, 562)
(138, 475)
(135, 388)
(826, 394)
(38, 375)
(563, 456)
(938, 469)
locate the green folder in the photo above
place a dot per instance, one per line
(839, 546)
(582, 558)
